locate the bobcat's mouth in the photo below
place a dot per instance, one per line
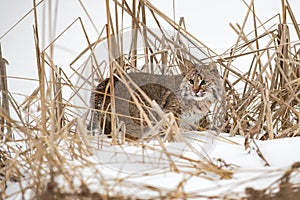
(194, 96)
(200, 94)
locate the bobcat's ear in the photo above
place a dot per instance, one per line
(213, 68)
(184, 65)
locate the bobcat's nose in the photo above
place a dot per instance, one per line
(196, 89)
(197, 93)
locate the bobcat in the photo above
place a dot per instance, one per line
(192, 97)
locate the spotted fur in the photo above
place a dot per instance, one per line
(195, 95)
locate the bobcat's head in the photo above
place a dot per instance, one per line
(200, 82)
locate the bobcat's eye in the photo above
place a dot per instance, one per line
(191, 81)
(203, 82)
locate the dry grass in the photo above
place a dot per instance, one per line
(268, 101)
(48, 143)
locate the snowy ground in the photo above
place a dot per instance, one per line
(249, 170)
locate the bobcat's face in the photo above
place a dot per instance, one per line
(198, 85)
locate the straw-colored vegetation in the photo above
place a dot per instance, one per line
(45, 149)
(268, 102)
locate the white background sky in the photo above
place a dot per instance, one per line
(207, 20)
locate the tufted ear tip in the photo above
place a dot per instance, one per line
(213, 68)
(184, 65)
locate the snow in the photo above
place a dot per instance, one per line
(248, 168)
